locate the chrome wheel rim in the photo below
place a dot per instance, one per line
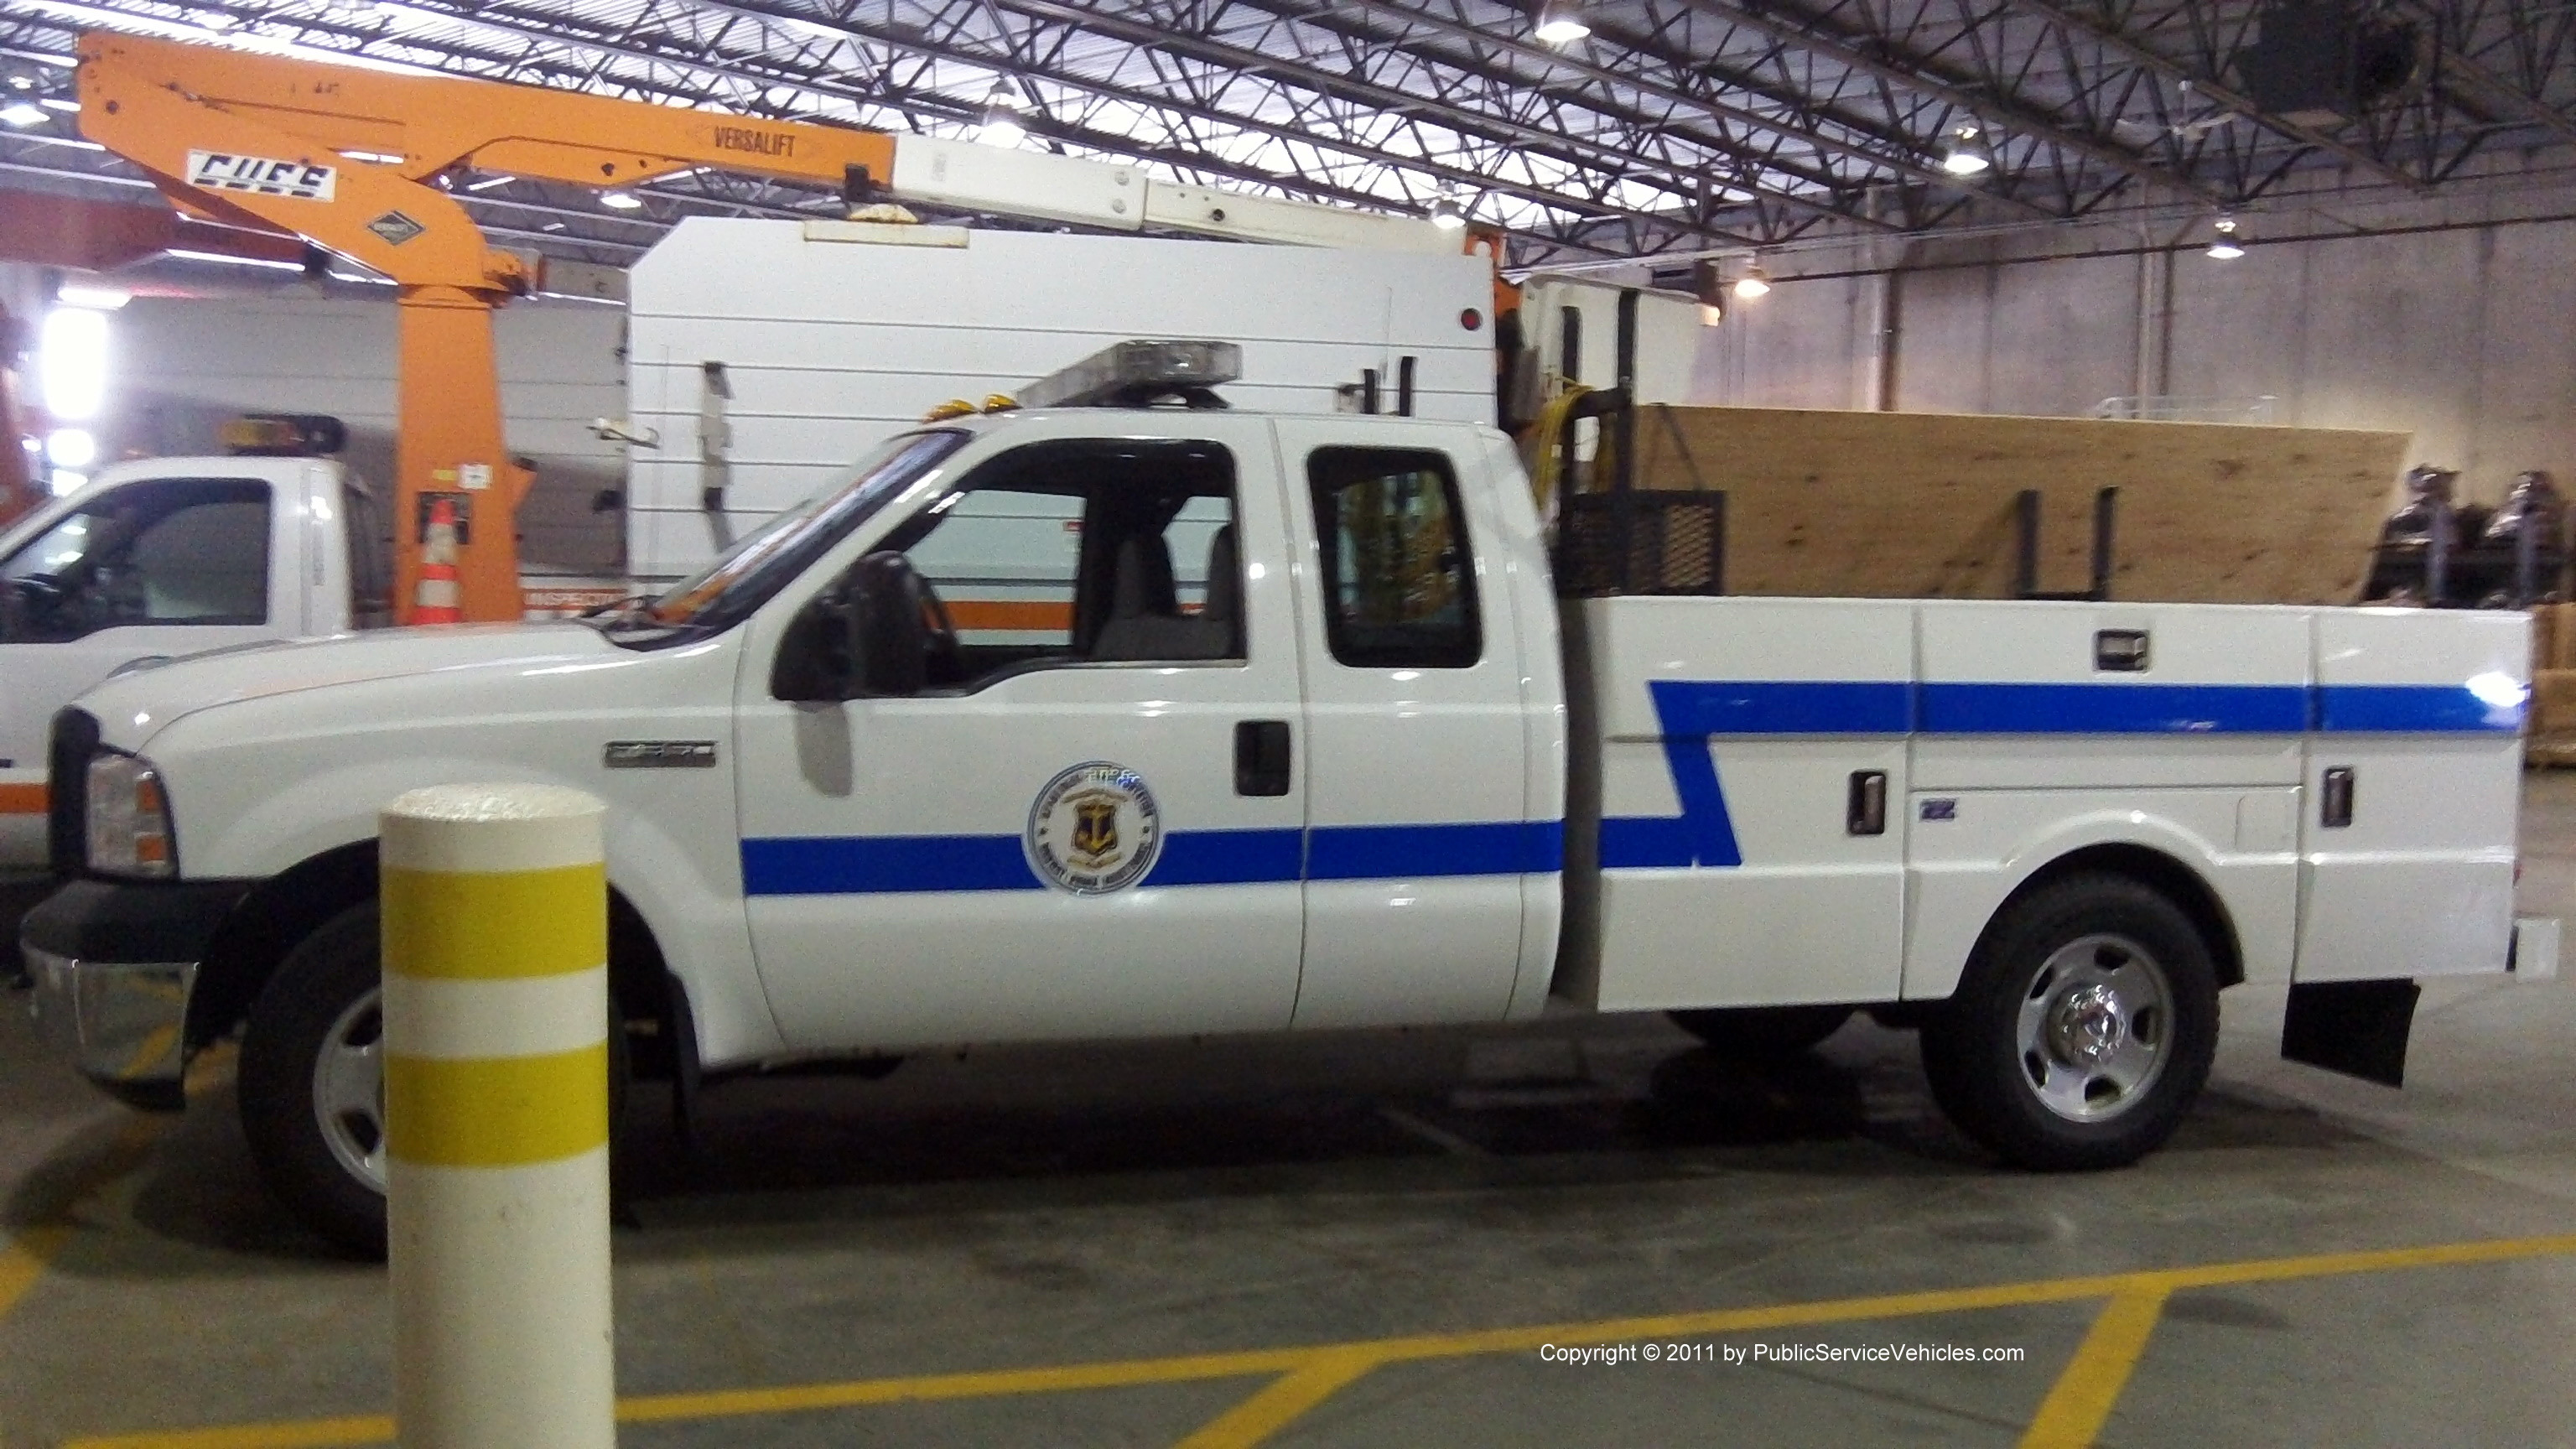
(2095, 1028)
(349, 1090)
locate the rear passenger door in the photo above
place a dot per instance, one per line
(1420, 834)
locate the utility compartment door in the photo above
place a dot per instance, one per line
(2424, 708)
(1422, 835)
(1742, 742)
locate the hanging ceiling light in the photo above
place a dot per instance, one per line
(1710, 288)
(2229, 243)
(621, 200)
(1002, 125)
(1446, 213)
(1966, 152)
(1754, 283)
(1559, 24)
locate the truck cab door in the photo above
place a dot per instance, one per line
(154, 568)
(1423, 837)
(1085, 824)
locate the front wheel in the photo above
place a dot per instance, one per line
(2082, 1030)
(312, 1082)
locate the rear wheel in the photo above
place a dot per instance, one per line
(1762, 1031)
(2083, 1028)
(312, 1082)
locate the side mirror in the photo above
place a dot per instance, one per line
(888, 642)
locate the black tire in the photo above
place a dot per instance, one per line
(328, 975)
(322, 997)
(1762, 1031)
(2082, 1029)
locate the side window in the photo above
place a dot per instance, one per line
(1086, 552)
(182, 551)
(1399, 582)
(370, 548)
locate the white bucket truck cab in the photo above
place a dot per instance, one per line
(169, 556)
(947, 756)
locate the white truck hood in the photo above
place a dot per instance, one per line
(133, 707)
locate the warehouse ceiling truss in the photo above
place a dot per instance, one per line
(1673, 128)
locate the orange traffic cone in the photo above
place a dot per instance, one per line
(435, 601)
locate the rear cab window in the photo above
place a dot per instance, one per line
(1399, 580)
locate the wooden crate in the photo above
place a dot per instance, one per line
(1921, 505)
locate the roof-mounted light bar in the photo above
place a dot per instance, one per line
(1139, 374)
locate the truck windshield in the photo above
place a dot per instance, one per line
(724, 592)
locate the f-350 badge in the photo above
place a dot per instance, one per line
(1095, 829)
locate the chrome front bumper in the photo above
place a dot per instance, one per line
(122, 1023)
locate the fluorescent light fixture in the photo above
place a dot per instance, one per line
(67, 482)
(1559, 24)
(1001, 125)
(488, 182)
(621, 201)
(2228, 245)
(72, 448)
(23, 113)
(1754, 283)
(228, 259)
(72, 360)
(1966, 153)
(101, 299)
(59, 103)
(1447, 214)
(381, 158)
(216, 20)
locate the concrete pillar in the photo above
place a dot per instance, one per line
(496, 1118)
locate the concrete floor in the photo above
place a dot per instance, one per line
(1131, 1206)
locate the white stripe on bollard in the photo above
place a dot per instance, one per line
(496, 1118)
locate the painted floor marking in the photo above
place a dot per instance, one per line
(1318, 1370)
(2080, 1402)
(23, 1259)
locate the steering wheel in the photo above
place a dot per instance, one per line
(939, 636)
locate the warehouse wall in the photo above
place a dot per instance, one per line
(178, 368)
(2465, 338)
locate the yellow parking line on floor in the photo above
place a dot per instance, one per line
(1307, 1367)
(2076, 1408)
(23, 1261)
(1267, 1412)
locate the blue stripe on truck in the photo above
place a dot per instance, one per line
(894, 864)
(1691, 713)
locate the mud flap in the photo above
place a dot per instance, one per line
(2358, 1028)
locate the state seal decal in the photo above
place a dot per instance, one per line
(1094, 829)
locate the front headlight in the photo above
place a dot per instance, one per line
(129, 819)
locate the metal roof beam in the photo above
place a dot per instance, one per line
(1918, 74)
(2215, 90)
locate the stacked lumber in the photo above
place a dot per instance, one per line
(1922, 505)
(2552, 734)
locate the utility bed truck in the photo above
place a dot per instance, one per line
(946, 756)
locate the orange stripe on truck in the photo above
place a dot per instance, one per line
(1030, 614)
(22, 799)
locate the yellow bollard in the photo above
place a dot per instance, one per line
(496, 1117)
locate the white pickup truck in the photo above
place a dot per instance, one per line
(159, 558)
(1105, 722)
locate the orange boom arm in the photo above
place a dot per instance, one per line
(288, 146)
